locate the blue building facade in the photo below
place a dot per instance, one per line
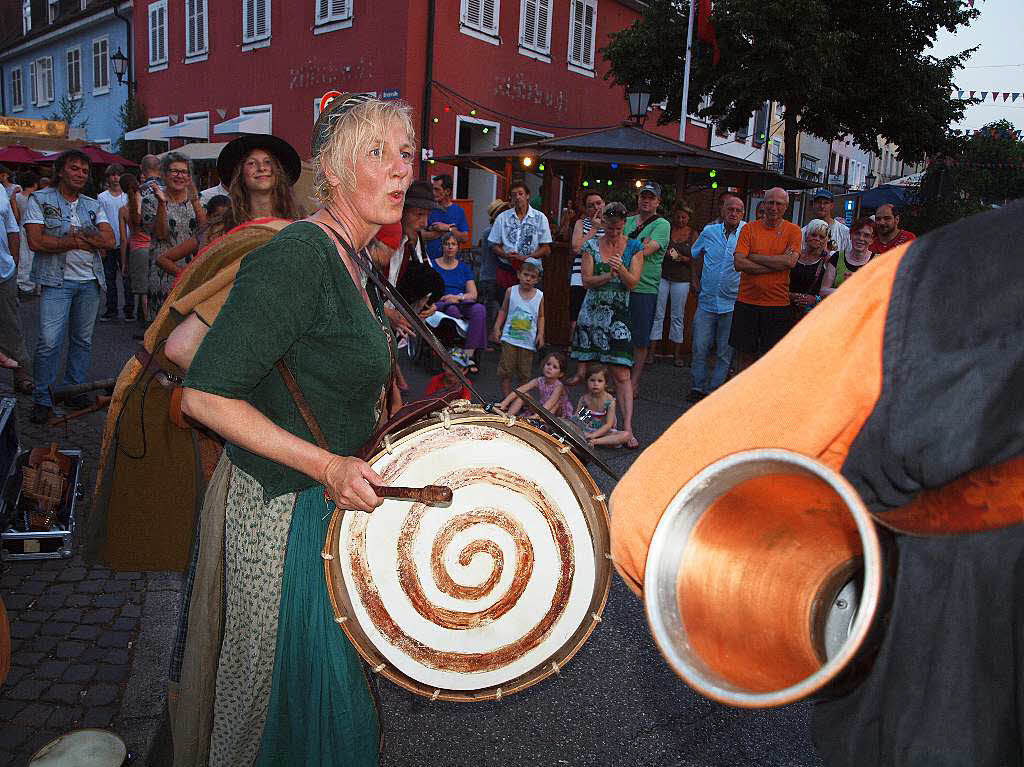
(68, 55)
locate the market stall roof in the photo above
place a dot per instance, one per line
(198, 151)
(626, 151)
(101, 156)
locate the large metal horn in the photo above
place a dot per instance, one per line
(763, 578)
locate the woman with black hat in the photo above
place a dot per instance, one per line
(259, 171)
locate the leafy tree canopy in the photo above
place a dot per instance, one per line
(857, 67)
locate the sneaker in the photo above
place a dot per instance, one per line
(108, 316)
(40, 414)
(696, 395)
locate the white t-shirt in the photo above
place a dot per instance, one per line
(111, 206)
(78, 265)
(9, 226)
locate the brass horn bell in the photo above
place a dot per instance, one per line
(763, 579)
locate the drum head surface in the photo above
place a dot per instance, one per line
(498, 588)
(82, 748)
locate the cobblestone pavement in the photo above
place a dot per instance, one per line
(91, 646)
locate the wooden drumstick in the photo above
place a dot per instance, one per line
(431, 495)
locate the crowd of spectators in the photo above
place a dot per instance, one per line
(633, 270)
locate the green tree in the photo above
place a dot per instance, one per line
(978, 171)
(70, 110)
(130, 116)
(858, 68)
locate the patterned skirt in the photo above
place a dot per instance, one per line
(603, 331)
(290, 688)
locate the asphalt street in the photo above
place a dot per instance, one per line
(615, 703)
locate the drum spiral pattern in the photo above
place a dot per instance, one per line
(473, 589)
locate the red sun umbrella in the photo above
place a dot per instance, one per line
(16, 154)
(102, 157)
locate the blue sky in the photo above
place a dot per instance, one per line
(998, 65)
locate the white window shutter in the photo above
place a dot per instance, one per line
(489, 20)
(190, 27)
(323, 10)
(261, 18)
(588, 34)
(153, 44)
(528, 25)
(33, 83)
(576, 33)
(200, 25)
(473, 13)
(162, 16)
(248, 19)
(544, 26)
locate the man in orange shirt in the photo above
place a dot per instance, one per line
(765, 252)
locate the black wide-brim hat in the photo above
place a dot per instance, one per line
(238, 148)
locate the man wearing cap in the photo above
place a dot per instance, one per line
(520, 233)
(419, 203)
(655, 232)
(765, 252)
(823, 205)
(888, 234)
(448, 217)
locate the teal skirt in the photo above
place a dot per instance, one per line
(322, 709)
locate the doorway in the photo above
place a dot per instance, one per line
(480, 186)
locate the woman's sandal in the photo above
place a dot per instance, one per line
(632, 443)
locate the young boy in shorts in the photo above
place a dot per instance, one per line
(519, 327)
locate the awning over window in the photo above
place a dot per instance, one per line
(251, 122)
(197, 126)
(153, 131)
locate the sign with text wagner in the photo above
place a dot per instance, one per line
(26, 127)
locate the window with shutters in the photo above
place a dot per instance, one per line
(158, 34)
(17, 97)
(535, 28)
(331, 14)
(100, 66)
(44, 81)
(33, 83)
(74, 58)
(479, 19)
(582, 32)
(52, 11)
(195, 30)
(255, 24)
(26, 17)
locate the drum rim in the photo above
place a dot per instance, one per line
(45, 746)
(594, 509)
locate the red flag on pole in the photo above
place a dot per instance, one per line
(706, 29)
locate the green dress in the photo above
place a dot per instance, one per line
(290, 687)
(603, 328)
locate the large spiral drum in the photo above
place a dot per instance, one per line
(489, 594)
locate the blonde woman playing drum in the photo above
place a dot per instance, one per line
(288, 691)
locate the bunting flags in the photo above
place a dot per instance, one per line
(1010, 96)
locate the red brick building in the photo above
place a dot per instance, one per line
(500, 71)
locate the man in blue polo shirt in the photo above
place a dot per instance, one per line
(450, 218)
(717, 283)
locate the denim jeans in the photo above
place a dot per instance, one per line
(70, 309)
(112, 270)
(674, 293)
(708, 329)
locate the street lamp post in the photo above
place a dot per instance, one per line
(639, 99)
(120, 63)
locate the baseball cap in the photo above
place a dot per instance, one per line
(651, 186)
(823, 193)
(535, 262)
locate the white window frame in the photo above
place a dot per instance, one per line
(579, 64)
(329, 15)
(476, 27)
(157, 35)
(26, 17)
(44, 81)
(17, 90)
(254, 39)
(73, 59)
(194, 9)
(533, 134)
(33, 80)
(101, 69)
(52, 7)
(540, 47)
